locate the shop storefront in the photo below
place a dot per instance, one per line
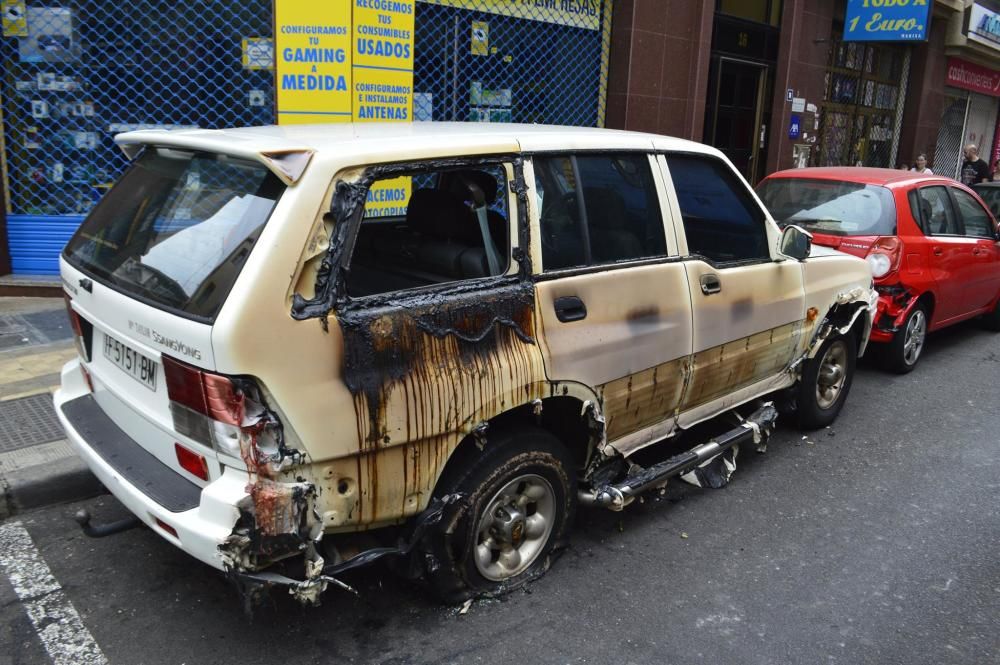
(866, 79)
(971, 87)
(969, 116)
(76, 72)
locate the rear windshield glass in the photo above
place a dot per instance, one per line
(176, 229)
(831, 206)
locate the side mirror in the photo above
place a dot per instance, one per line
(795, 242)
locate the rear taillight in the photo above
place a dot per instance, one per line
(83, 330)
(192, 462)
(206, 407)
(884, 256)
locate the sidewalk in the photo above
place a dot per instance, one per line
(37, 465)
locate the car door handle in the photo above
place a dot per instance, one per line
(570, 308)
(710, 284)
(938, 251)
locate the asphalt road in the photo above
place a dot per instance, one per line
(874, 541)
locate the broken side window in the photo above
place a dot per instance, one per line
(431, 227)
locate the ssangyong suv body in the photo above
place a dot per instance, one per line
(444, 336)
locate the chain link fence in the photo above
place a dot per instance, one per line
(88, 69)
(861, 112)
(83, 70)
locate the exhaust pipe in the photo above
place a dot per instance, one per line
(615, 496)
(82, 518)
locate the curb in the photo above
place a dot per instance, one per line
(42, 476)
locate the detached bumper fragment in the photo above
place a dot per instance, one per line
(255, 585)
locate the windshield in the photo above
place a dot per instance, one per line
(831, 206)
(177, 228)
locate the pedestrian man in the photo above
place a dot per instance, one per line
(974, 169)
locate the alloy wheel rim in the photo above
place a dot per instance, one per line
(913, 341)
(514, 528)
(832, 375)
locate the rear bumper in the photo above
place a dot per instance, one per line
(202, 517)
(892, 309)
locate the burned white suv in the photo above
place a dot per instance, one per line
(306, 348)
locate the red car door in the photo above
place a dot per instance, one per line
(978, 227)
(948, 253)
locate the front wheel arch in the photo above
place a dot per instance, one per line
(826, 381)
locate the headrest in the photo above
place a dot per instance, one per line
(439, 214)
(481, 179)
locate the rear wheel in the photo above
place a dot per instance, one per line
(518, 499)
(826, 381)
(904, 350)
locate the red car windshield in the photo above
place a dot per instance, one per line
(834, 207)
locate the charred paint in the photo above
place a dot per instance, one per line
(277, 518)
(426, 368)
(423, 367)
(347, 207)
(720, 370)
(348, 203)
(643, 399)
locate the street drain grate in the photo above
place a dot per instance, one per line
(28, 421)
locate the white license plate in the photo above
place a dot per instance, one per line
(130, 361)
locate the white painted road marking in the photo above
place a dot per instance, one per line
(59, 627)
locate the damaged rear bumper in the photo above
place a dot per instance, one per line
(202, 518)
(894, 305)
(221, 524)
(238, 524)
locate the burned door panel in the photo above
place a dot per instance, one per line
(425, 370)
(631, 346)
(747, 330)
(723, 369)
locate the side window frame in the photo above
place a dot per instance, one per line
(961, 217)
(925, 224)
(671, 251)
(346, 211)
(747, 193)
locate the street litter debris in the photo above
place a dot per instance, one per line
(465, 606)
(684, 534)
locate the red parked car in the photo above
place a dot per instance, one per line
(931, 243)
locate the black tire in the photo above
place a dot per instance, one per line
(991, 321)
(826, 381)
(449, 551)
(903, 352)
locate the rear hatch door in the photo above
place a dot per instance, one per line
(148, 272)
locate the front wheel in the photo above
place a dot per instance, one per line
(517, 502)
(826, 381)
(905, 348)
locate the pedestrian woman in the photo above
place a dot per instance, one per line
(921, 166)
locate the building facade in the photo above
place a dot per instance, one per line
(772, 83)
